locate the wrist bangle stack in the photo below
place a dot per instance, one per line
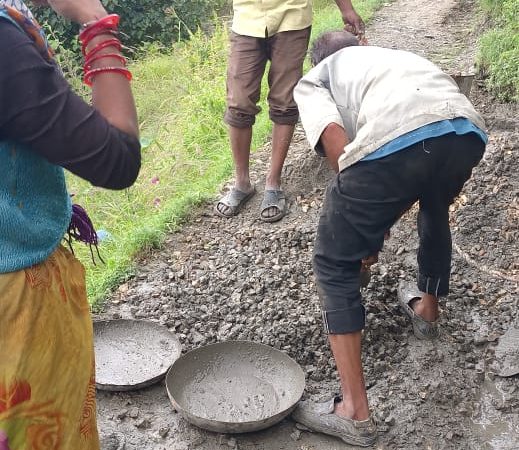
(107, 26)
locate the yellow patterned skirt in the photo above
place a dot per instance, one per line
(47, 388)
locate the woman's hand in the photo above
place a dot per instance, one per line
(79, 11)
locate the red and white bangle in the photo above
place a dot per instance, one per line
(107, 25)
(90, 74)
(94, 58)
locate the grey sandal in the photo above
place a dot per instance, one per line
(422, 329)
(273, 199)
(319, 417)
(234, 201)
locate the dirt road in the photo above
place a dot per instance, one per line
(242, 279)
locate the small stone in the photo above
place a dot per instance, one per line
(163, 432)
(295, 435)
(134, 413)
(232, 443)
(143, 424)
(301, 427)
(122, 414)
(389, 421)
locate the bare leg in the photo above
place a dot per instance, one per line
(346, 350)
(281, 138)
(240, 145)
(240, 139)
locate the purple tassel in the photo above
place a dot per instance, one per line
(81, 229)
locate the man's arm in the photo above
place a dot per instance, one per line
(333, 140)
(352, 21)
(320, 117)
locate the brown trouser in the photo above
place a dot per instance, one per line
(247, 61)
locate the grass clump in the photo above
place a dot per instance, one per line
(498, 57)
(180, 96)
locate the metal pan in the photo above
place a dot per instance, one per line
(464, 82)
(132, 354)
(235, 386)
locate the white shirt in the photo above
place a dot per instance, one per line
(376, 95)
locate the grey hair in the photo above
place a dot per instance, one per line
(329, 43)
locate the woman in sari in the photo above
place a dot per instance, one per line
(47, 388)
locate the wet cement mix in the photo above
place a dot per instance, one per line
(219, 280)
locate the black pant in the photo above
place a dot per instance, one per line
(366, 199)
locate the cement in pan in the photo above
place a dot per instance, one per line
(224, 385)
(131, 354)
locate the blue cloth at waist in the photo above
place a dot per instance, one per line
(459, 126)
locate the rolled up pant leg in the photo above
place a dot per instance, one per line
(359, 208)
(248, 58)
(455, 157)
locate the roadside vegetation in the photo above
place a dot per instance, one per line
(498, 57)
(180, 95)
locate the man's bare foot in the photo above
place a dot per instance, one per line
(426, 307)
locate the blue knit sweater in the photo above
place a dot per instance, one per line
(35, 208)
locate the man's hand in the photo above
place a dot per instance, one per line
(79, 11)
(352, 21)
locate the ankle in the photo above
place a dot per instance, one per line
(243, 184)
(273, 183)
(351, 411)
(427, 307)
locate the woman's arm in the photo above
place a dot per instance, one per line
(39, 109)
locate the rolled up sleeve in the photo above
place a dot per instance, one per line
(317, 108)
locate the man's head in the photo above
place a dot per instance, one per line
(329, 43)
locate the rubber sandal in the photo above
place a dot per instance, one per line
(273, 199)
(319, 417)
(234, 200)
(422, 329)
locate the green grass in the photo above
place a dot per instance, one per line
(180, 96)
(498, 57)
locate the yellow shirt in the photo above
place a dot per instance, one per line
(262, 18)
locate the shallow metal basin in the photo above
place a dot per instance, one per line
(235, 386)
(132, 354)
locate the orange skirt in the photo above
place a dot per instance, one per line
(47, 387)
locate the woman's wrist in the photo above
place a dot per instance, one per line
(92, 16)
(99, 39)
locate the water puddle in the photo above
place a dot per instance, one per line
(493, 429)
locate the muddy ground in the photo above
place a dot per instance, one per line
(217, 280)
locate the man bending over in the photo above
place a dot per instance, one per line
(397, 130)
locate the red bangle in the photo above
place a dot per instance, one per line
(104, 44)
(91, 29)
(90, 60)
(92, 72)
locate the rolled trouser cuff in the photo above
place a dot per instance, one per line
(284, 118)
(238, 119)
(344, 321)
(437, 286)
